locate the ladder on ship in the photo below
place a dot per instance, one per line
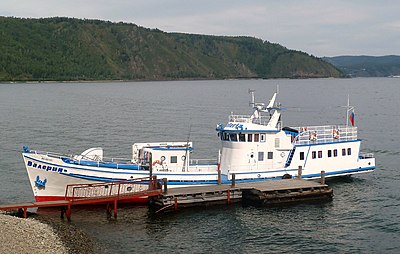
(290, 157)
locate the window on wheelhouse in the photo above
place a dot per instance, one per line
(314, 154)
(319, 154)
(242, 137)
(256, 137)
(260, 156)
(302, 156)
(174, 159)
(233, 136)
(277, 142)
(262, 137)
(335, 153)
(348, 151)
(344, 151)
(270, 155)
(249, 137)
(329, 153)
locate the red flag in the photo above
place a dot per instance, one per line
(351, 117)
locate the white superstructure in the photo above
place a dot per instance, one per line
(258, 147)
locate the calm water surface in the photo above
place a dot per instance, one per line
(364, 216)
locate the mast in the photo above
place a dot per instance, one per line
(350, 110)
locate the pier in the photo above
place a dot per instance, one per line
(160, 199)
(95, 194)
(261, 193)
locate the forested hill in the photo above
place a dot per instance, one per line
(72, 49)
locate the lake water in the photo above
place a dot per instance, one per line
(364, 216)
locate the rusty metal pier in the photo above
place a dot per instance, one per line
(96, 193)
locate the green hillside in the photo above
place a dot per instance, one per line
(72, 49)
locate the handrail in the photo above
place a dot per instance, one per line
(324, 134)
(111, 189)
(71, 157)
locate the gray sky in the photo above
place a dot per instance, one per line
(318, 27)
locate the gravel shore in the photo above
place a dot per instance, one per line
(41, 234)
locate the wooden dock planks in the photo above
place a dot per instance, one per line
(254, 193)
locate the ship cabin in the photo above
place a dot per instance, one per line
(167, 156)
(259, 147)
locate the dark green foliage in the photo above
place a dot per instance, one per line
(72, 49)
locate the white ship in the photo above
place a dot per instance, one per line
(253, 148)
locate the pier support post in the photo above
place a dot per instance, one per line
(233, 180)
(115, 208)
(219, 167)
(323, 177)
(154, 183)
(228, 196)
(176, 204)
(69, 212)
(299, 172)
(165, 183)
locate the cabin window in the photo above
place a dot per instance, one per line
(302, 156)
(225, 136)
(256, 137)
(174, 159)
(314, 154)
(270, 155)
(262, 138)
(344, 151)
(233, 136)
(277, 143)
(249, 137)
(348, 151)
(319, 154)
(242, 137)
(260, 156)
(335, 153)
(329, 153)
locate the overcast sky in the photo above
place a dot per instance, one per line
(318, 27)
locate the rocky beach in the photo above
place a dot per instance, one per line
(41, 234)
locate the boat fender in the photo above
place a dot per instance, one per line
(287, 176)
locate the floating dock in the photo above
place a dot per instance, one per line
(261, 193)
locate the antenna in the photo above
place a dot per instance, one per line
(252, 103)
(184, 166)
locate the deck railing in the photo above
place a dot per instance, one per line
(122, 161)
(262, 120)
(324, 134)
(111, 189)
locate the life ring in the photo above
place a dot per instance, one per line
(302, 129)
(313, 136)
(156, 162)
(336, 134)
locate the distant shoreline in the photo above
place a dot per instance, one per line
(165, 80)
